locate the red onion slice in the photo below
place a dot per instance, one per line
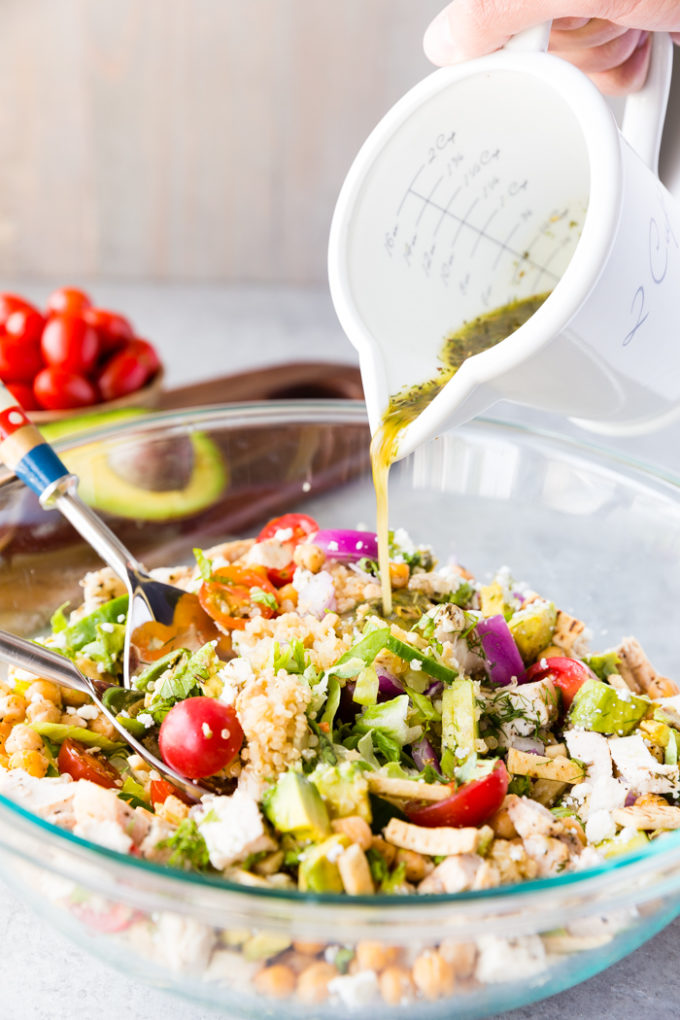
(347, 546)
(503, 661)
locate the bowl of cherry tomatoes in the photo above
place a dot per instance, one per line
(74, 356)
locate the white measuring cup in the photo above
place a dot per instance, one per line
(494, 181)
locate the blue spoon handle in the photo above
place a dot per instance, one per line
(24, 450)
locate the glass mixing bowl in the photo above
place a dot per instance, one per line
(586, 527)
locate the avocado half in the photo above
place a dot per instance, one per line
(105, 488)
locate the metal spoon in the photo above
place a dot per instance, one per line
(24, 451)
(47, 663)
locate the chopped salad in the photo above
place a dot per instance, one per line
(469, 740)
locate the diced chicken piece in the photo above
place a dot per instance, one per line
(180, 577)
(229, 552)
(232, 828)
(455, 874)
(436, 841)
(504, 959)
(158, 830)
(530, 818)
(407, 789)
(570, 634)
(229, 968)
(639, 674)
(512, 861)
(538, 766)
(355, 871)
(49, 798)
(591, 748)
(270, 553)
(535, 706)
(182, 943)
(648, 816)
(430, 583)
(101, 816)
(639, 768)
(449, 621)
(551, 855)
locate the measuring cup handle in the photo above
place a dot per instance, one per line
(531, 40)
(23, 449)
(645, 110)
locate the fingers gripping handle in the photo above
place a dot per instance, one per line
(24, 451)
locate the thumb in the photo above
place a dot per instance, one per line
(471, 28)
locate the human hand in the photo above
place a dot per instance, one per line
(614, 53)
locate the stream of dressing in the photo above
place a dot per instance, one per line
(483, 332)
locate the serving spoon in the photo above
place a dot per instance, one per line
(24, 450)
(45, 662)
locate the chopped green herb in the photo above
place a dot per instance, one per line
(188, 847)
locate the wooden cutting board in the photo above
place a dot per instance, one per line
(288, 381)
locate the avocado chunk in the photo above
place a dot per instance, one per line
(533, 628)
(459, 722)
(600, 708)
(344, 789)
(319, 871)
(105, 489)
(295, 805)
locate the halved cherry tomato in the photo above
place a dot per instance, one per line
(161, 789)
(127, 371)
(67, 299)
(471, 804)
(114, 917)
(56, 389)
(233, 594)
(567, 674)
(81, 763)
(113, 329)
(199, 736)
(301, 526)
(69, 343)
(19, 361)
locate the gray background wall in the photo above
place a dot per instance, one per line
(189, 139)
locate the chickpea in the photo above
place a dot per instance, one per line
(399, 574)
(461, 955)
(502, 824)
(396, 985)
(72, 719)
(375, 955)
(43, 711)
(43, 690)
(75, 698)
(356, 829)
(102, 725)
(388, 851)
(312, 985)
(4, 761)
(276, 982)
(416, 866)
(309, 556)
(308, 948)
(12, 708)
(288, 594)
(33, 762)
(5, 730)
(23, 738)
(433, 975)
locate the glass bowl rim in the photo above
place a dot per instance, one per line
(352, 412)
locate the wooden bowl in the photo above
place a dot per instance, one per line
(148, 396)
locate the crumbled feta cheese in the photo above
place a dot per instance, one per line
(522, 958)
(600, 826)
(107, 832)
(206, 731)
(107, 627)
(355, 990)
(316, 592)
(639, 768)
(84, 711)
(232, 828)
(146, 719)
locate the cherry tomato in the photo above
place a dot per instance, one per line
(128, 370)
(69, 343)
(232, 595)
(25, 324)
(24, 396)
(301, 527)
(161, 789)
(191, 627)
(112, 329)
(114, 917)
(67, 299)
(200, 736)
(81, 763)
(11, 303)
(471, 804)
(19, 361)
(567, 674)
(56, 389)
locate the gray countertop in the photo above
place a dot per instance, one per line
(202, 331)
